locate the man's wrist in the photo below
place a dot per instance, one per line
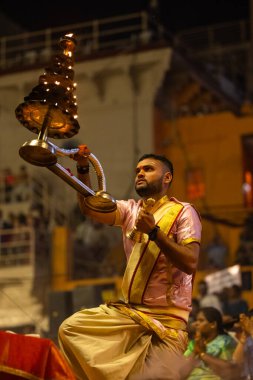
(153, 233)
(82, 169)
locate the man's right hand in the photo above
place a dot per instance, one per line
(82, 156)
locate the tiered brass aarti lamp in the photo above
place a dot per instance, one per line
(50, 110)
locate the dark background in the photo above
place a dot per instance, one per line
(175, 15)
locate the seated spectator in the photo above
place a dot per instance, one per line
(7, 236)
(217, 253)
(90, 248)
(192, 317)
(210, 349)
(4, 236)
(243, 256)
(9, 183)
(243, 354)
(241, 365)
(235, 304)
(22, 191)
(206, 299)
(244, 253)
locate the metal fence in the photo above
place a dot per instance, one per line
(216, 37)
(28, 49)
(17, 246)
(126, 32)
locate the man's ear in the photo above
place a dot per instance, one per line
(167, 177)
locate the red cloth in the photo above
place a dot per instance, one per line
(29, 357)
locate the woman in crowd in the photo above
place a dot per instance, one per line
(243, 355)
(210, 350)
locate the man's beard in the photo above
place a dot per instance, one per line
(149, 189)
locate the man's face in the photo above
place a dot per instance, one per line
(149, 178)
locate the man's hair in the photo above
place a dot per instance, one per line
(158, 157)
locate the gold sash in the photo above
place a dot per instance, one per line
(144, 256)
(160, 324)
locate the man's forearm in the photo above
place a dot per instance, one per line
(184, 257)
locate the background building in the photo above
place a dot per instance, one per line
(138, 90)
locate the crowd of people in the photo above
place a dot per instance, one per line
(15, 237)
(217, 349)
(244, 252)
(14, 186)
(220, 329)
(97, 250)
(16, 229)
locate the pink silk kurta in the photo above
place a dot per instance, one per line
(168, 286)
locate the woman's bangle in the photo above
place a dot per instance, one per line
(83, 169)
(202, 354)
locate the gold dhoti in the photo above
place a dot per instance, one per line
(105, 343)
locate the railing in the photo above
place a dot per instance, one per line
(216, 37)
(230, 215)
(223, 52)
(208, 45)
(17, 246)
(29, 49)
(32, 189)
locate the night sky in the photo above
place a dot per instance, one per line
(175, 15)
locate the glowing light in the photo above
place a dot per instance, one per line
(247, 188)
